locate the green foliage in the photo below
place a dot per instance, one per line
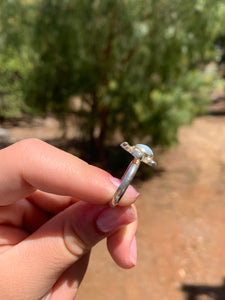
(179, 104)
(132, 63)
(10, 85)
(15, 63)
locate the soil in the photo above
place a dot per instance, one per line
(181, 234)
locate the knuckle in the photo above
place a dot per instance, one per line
(28, 144)
(73, 242)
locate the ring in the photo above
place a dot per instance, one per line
(141, 153)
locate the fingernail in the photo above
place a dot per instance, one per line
(133, 252)
(131, 192)
(111, 219)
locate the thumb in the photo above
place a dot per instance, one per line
(31, 268)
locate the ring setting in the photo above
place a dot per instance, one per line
(141, 153)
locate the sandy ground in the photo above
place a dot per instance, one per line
(181, 234)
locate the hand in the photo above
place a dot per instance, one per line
(53, 210)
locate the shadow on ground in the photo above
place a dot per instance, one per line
(115, 159)
(193, 292)
(217, 107)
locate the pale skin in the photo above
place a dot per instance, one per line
(53, 210)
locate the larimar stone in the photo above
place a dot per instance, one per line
(145, 149)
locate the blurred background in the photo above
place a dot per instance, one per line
(86, 75)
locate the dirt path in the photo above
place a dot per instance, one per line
(181, 236)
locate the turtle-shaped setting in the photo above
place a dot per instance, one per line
(140, 151)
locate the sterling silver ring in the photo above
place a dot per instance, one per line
(141, 153)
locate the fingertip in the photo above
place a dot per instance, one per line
(130, 195)
(111, 219)
(133, 252)
(123, 247)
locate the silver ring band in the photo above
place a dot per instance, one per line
(126, 180)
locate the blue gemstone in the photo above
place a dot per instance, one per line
(145, 149)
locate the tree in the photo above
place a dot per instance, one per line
(132, 63)
(15, 52)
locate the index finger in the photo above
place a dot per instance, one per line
(33, 164)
